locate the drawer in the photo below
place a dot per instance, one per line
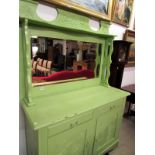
(84, 117)
(69, 124)
(108, 107)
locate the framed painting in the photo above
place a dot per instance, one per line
(130, 36)
(122, 10)
(96, 8)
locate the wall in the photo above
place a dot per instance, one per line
(118, 30)
(129, 72)
(128, 76)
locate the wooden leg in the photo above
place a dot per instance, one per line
(128, 113)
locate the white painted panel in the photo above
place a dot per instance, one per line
(94, 24)
(46, 12)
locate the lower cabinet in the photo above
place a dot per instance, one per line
(70, 142)
(71, 137)
(92, 133)
(107, 128)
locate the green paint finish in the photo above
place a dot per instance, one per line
(92, 132)
(97, 60)
(31, 139)
(101, 73)
(27, 61)
(42, 141)
(58, 107)
(65, 19)
(107, 62)
(30, 28)
(51, 90)
(107, 124)
(21, 67)
(69, 35)
(70, 142)
(74, 118)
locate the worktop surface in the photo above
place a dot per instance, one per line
(52, 109)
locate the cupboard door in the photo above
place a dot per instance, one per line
(106, 130)
(69, 142)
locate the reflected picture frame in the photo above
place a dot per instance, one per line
(101, 9)
(130, 36)
(122, 12)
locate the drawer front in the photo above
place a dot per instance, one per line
(69, 142)
(70, 123)
(84, 117)
(110, 106)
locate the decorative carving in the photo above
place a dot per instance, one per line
(105, 65)
(26, 45)
(65, 19)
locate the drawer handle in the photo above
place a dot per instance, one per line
(112, 107)
(72, 125)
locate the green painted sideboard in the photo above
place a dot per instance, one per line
(74, 118)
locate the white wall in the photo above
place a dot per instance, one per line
(128, 76)
(118, 30)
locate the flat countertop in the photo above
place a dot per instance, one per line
(51, 109)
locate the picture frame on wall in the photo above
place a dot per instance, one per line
(130, 36)
(134, 25)
(122, 11)
(97, 8)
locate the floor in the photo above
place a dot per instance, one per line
(127, 138)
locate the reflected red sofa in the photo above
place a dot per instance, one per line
(64, 75)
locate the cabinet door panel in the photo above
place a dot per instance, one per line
(106, 130)
(70, 142)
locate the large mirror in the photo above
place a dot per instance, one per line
(56, 61)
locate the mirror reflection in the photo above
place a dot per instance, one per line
(57, 61)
